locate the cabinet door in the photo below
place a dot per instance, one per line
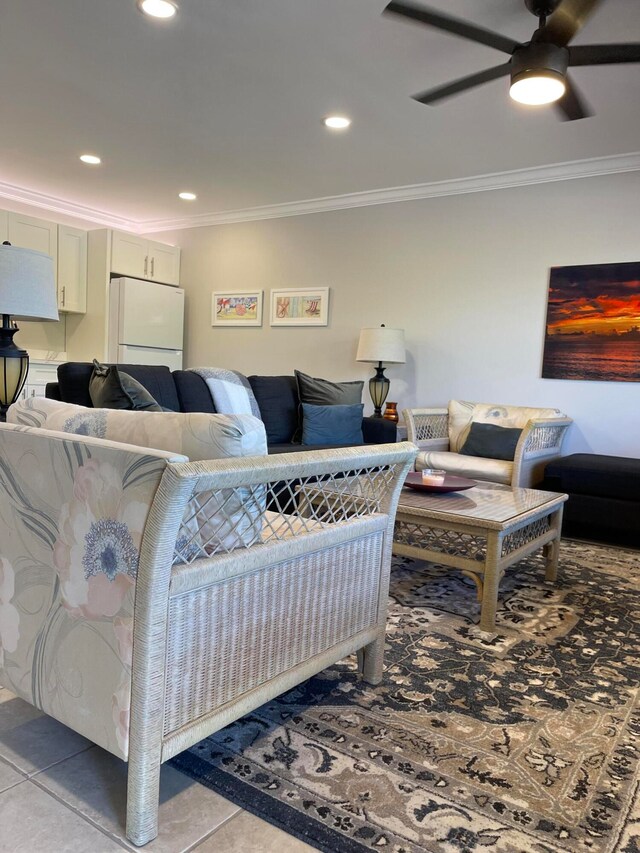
(38, 234)
(164, 263)
(72, 270)
(4, 226)
(130, 255)
(39, 375)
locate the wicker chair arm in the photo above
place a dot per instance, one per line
(541, 440)
(543, 436)
(427, 428)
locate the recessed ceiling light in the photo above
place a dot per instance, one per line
(91, 159)
(187, 196)
(337, 122)
(158, 8)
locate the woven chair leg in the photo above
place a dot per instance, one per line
(371, 661)
(143, 795)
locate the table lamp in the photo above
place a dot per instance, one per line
(380, 345)
(27, 290)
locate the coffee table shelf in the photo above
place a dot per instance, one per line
(481, 532)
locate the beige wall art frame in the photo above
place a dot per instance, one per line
(300, 307)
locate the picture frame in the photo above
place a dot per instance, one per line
(236, 308)
(593, 329)
(300, 307)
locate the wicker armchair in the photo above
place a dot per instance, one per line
(540, 442)
(178, 596)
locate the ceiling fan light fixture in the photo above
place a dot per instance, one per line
(537, 86)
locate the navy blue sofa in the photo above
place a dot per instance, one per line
(186, 391)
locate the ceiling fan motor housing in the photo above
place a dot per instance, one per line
(535, 57)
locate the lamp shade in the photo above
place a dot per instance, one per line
(27, 286)
(381, 344)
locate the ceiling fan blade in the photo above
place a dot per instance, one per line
(603, 54)
(567, 20)
(463, 83)
(452, 25)
(572, 105)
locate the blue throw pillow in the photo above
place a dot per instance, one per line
(337, 424)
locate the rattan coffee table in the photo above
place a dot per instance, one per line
(481, 531)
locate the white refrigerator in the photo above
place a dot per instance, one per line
(146, 323)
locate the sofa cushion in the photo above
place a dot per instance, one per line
(277, 398)
(110, 388)
(338, 423)
(73, 383)
(463, 412)
(491, 441)
(474, 467)
(224, 520)
(193, 392)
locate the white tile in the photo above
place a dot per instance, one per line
(14, 712)
(8, 776)
(94, 783)
(33, 821)
(246, 833)
(38, 743)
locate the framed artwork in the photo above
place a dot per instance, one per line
(593, 323)
(241, 308)
(306, 307)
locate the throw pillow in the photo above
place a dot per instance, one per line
(109, 388)
(336, 424)
(491, 442)
(322, 392)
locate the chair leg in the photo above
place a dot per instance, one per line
(143, 795)
(371, 660)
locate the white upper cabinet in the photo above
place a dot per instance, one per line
(72, 270)
(129, 255)
(138, 257)
(164, 263)
(30, 233)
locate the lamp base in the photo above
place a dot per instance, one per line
(14, 366)
(379, 389)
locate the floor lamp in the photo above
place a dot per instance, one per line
(378, 346)
(27, 290)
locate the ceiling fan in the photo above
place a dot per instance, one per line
(538, 68)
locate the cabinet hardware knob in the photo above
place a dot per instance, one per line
(146, 263)
(64, 294)
(152, 265)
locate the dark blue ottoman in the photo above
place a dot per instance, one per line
(604, 497)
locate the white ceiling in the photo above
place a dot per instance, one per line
(227, 101)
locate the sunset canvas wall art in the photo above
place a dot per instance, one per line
(593, 323)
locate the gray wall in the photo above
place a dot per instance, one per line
(466, 276)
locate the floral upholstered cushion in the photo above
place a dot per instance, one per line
(74, 511)
(463, 412)
(226, 520)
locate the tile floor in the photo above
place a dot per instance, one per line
(61, 794)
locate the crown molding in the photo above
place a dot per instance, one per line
(69, 208)
(590, 168)
(457, 186)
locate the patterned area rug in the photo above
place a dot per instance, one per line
(523, 740)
